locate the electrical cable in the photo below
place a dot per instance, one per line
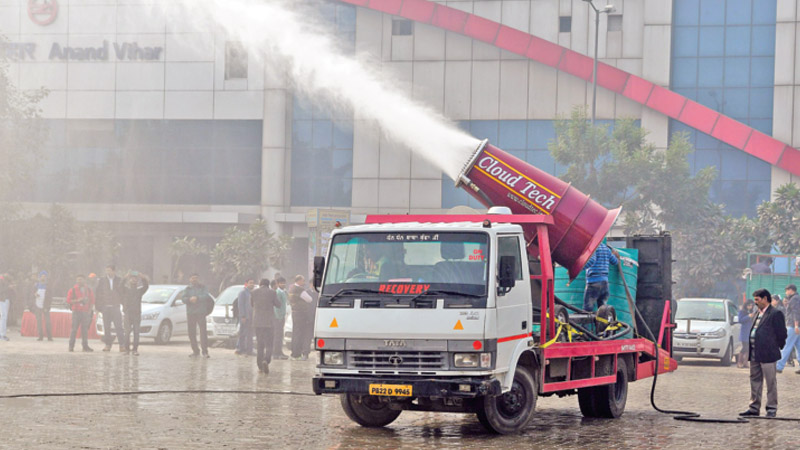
(156, 392)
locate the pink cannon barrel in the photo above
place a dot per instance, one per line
(496, 178)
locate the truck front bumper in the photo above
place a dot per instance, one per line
(427, 387)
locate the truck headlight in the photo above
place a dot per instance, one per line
(150, 316)
(467, 359)
(333, 358)
(715, 334)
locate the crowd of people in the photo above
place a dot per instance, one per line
(261, 312)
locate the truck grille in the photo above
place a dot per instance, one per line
(392, 360)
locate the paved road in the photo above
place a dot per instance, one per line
(306, 421)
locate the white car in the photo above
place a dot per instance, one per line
(221, 324)
(706, 328)
(163, 313)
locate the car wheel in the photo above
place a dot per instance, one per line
(726, 358)
(368, 411)
(164, 333)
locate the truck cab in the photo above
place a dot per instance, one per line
(412, 316)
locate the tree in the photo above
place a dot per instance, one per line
(658, 192)
(21, 135)
(780, 219)
(247, 253)
(184, 246)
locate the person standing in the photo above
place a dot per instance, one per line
(746, 315)
(792, 326)
(109, 299)
(6, 294)
(265, 300)
(136, 285)
(767, 337)
(302, 325)
(81, 301)
(245, 307)
(280, 318)
(196, 298)
(43, 298)
(596, 267)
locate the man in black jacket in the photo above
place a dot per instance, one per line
(135, 286)
(109, 298)
(767, 337)
(264, 300)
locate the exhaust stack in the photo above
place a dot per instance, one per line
(496, 178)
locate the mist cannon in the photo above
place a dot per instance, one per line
(497, 178)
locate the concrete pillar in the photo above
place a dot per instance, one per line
(275, 160)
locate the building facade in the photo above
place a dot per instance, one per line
(163, 129)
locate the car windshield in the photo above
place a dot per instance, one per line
(158, 295)
(408, 262)
(229, 295)
(694, 310)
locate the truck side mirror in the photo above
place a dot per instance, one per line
(319, 268)
(505, 276)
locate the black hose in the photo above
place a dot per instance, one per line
(198, 391)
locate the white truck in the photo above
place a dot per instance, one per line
(437, 313)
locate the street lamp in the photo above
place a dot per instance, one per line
(606, 9)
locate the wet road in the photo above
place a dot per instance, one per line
(302, 420)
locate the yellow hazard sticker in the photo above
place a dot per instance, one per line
(458, 326)
(334, 324)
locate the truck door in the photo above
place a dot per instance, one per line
(513, 307)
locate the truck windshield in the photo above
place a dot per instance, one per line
(409, 263)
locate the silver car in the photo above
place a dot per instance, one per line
(706, 328)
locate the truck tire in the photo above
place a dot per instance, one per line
(586, 402)
(610, 400)
(726, 358)
(368, 411)
(510, 412)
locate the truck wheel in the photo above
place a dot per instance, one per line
(610, 400)
(510, 412)
(368, 411)
(164, 332)
(586, 402)
(726, 358)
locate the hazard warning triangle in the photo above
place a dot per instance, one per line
(334, 324)
(458, 326)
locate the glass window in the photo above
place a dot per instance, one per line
(453, 196)
(540, 134)
(684, 41)
(758, 170)
(712, 12)
(762, 71)
(343, 134)
(687, 12)
(738, 12)
(565, 24)
(735, 104)
(710, 97)
(235, 60)
(737, 72)
(684, 72)
(762, 125)
(402, 27)
(689, 93)
(706, 158)
(512, 134)
(484, 129)
(700, 310)
(302, 108)
(737, 41)
(761, 102)
(615, 22)
(763, 40)
(346, 18)
(710, 72)
(543, 160)
(734, 165)
(301, 133)
(765, 12)
(323, 134)
(712, 41)
(509, 246)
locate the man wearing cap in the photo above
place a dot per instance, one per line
(135, 286)
(42, 299)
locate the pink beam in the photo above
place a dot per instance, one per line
(663, 100)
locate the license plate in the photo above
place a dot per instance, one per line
(393, 390)
(226, 329)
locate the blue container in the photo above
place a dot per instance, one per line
(572, 293)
